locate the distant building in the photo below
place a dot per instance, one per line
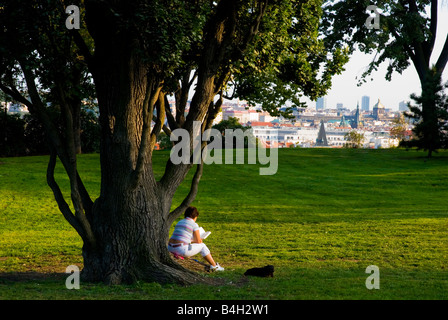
(403, 106)
(357, 122)
(379, 110)
(365, 103)
(321, 140)
(344, 123)
(15, 108)
(339, 106)
(244, 116)
(321, 103)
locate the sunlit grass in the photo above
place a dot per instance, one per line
(320, 220)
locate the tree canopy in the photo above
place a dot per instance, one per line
(407, 33)
(130, 56)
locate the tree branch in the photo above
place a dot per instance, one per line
(181, 96)
(70, 165)
(15, 94)
(77, 221)
(68, 159)
(164, 127)
(169, 116)
(62, 204)
(443, 58)
(432, 28)
(420, 49)
(85, 197)
(84, 49)
(211, 114)
(406, 48)
(262, 5)
(213, 111)
(153, 88)
(160, 105)
(190, 197)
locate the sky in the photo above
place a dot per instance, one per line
(345, 90)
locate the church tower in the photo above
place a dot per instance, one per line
(321, 140)
(357, 123)
(379, 110)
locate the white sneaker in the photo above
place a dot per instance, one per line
(216, 268)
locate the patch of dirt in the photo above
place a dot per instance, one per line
(191, 264)
(57, 270)
(30, 276)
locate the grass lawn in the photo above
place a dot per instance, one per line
(324, 217)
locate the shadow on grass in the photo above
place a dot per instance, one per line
(29, 276)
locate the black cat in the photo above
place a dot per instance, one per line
(266, 271)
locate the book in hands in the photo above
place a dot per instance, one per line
(204, 234)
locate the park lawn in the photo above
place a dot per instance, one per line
(325, 216)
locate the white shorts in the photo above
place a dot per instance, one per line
(189, 250)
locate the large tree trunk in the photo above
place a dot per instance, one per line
(129, 219)
(429, 114)
(131, 240)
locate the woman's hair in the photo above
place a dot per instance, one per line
(191, 212)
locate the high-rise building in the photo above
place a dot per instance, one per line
(365, 103)
(321, 103)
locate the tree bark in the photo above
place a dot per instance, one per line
(132, 239)
(129, 219)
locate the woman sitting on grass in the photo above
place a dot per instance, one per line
(186, 240)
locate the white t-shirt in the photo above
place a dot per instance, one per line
(184, 229)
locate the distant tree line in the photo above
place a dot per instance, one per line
(25, 135)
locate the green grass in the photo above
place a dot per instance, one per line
(321, 220)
